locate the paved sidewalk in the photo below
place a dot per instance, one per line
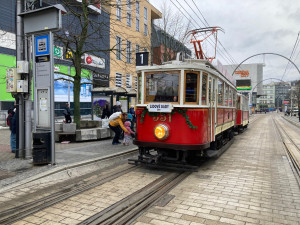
(15, 169)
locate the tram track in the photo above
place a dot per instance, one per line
(19, 212)
(131, 207)
(291, 148)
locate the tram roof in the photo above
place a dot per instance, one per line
(187, 64)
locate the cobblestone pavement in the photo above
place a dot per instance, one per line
(251, 183)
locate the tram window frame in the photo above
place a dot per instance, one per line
(230, 97)
(204, 101)
(139, 89)
(160, 72)
(234, 94)
(226, 94)
(220, 93)
(197, 88)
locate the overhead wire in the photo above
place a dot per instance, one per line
(291, 56)
(229, 59)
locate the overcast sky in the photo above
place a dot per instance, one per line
(251, 27)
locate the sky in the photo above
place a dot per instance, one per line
(251, 27)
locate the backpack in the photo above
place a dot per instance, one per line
(8, 119)
(114, 116)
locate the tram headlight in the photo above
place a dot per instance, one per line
(161, 132)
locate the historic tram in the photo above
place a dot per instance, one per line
(185, 109)
(242, 113)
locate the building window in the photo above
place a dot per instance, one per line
(128, 2)
(137, 6)
(119, 80)
(128, 52)
(137, 48)
(137, 24)
(129, 81)
(119, 48)
(145, 21)
(129, 18)
(145, 29)
(119, 10)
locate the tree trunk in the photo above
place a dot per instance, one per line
(76, 91)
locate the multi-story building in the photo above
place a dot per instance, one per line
(165, 46)
(267, 100)
(130, 33)
(282, 94)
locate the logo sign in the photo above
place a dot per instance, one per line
(160, 107)
(94, 61)
(58, 52)
(42, 45)
(142, 58)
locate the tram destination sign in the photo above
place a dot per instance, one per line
(160, 107)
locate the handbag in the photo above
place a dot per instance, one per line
(105, 122)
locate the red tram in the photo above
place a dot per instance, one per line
(242, 113)
(185, 109)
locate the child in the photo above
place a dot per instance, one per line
(127, 135)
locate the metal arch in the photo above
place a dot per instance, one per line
(263, 81)
(266, 54)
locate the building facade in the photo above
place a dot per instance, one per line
(267, 100)
(130, 33)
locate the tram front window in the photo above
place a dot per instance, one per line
(162, 87)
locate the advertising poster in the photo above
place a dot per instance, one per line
(61, 87)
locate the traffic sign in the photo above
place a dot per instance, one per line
(58, 52)
(142, 58)
(42, 45)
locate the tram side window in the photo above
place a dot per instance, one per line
(230, 97)
(191, 84)
(139, 88)
(233, 99)
(204, 88)
(162, 87)
(220, 92)
(226, 95)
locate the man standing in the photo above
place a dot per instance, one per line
(67, 114)
(13, 128)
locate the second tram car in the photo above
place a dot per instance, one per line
(242, 113)
(185, 108)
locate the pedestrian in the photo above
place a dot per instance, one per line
(67, 114)
(117, 125)
(105, 112)
(127, 135)
(13, 128)
(132, 112)
(117, 107)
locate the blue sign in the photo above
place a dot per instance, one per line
(42, 45)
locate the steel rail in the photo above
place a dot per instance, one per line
(131, 207)
(294, 163)
(17, 213)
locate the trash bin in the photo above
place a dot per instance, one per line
(41, 148)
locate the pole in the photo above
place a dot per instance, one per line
(19, 57)
(52, 118)
(28, 106)
(69, 73)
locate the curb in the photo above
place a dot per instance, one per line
(71, 170)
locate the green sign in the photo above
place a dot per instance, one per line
(58, 52)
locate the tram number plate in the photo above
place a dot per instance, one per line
(160, 107)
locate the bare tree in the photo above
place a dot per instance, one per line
(171, 33)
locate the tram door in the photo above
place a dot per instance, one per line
(212, 104)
